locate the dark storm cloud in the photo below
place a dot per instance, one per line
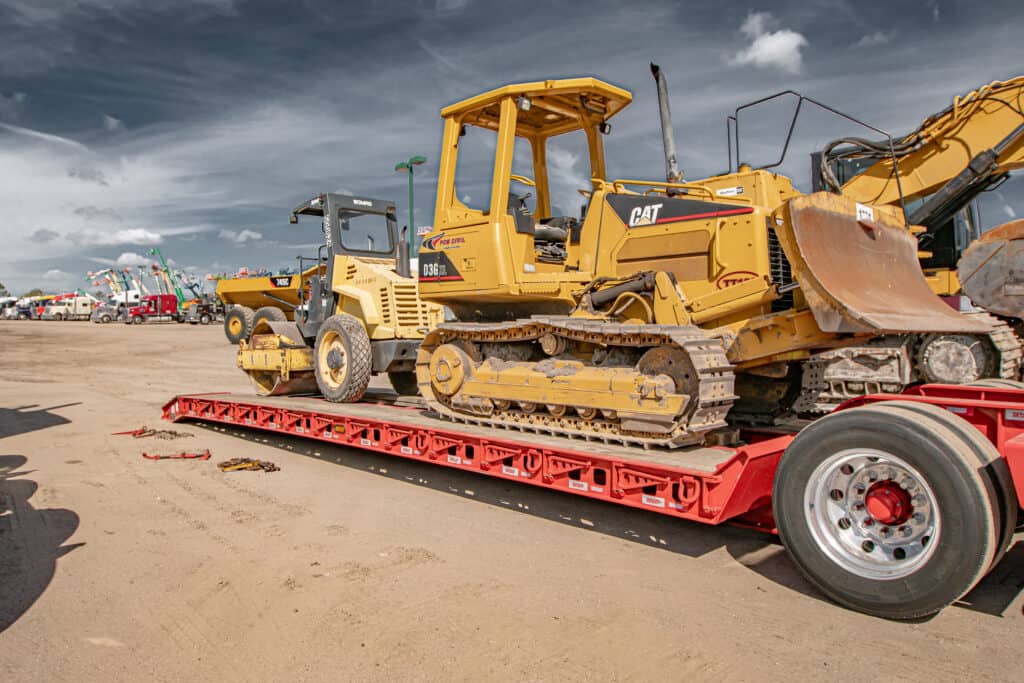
(201, 120)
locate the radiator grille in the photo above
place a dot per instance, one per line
(781, 273)
(408, 308)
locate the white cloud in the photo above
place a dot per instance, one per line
(874, 39)
(239, 236)
(112, 124)
(1008, 210)
(780, 49)
(56, 275)
(92, 237)
(131, 258)
(45, 137)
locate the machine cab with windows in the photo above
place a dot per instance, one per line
(520, 233)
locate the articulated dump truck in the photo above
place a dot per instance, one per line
(664, 307)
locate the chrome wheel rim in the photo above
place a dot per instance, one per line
(872, 514)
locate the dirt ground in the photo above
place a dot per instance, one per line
(350, 566)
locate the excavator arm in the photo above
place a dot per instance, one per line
(949, 159)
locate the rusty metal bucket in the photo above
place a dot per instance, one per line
(858, 270)
(991, 271)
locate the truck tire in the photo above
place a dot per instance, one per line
(267, 313)
(342, 360)
(888, 511)
(138, 320)
(238, 323)
(58, 316)
(988, 459)
(105, 318)
(204, 319)
(404, 383)
(996, 383)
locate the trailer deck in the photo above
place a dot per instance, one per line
(710, 485)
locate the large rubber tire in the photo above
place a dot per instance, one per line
(238, 323)
(404, 383)
(58, 316)
(105, 318)
(988, 461)
(138, 320)
(342, 360)
(267, 313)
(956, 493)
(204, 319)
(997, 383)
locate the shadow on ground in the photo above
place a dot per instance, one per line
(757, 551)
(31, 540)
(30, 418)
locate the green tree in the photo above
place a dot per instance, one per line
(33, 292)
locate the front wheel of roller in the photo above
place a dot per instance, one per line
(404, 383)
(886, 512)
(342, 359)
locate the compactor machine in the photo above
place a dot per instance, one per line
(644, 319)
(357, 311)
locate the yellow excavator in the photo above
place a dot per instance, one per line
(940, 168)
(647, 317)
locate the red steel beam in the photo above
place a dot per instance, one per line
(738, 490)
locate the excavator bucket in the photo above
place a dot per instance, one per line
(277, 360)
(991, 271)
(858, 270)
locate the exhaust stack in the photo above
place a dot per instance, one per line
(672, 172)
(403, 267)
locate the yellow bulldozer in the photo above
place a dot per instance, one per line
(936, 171)
(357, 310)
(646, 318)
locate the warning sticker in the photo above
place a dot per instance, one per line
(865, 212)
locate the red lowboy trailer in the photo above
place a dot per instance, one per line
(892, 505)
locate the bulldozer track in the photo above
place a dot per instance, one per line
(706, 411)
(818, 396)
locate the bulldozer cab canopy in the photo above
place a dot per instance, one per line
(359, 226)
(534, 112)
(546, 108)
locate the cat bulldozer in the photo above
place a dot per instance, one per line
(648, 317)
(940, 168)
(358, 310)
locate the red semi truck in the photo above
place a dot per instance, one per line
(155, 308)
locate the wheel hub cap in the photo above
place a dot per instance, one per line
(334, 359)
(872, 514)
(888, 503)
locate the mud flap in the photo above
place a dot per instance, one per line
(991, 271)
(858, 270)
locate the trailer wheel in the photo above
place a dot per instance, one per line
(404, 383)
(886, 512)
(204, 319)
(238, 323)
(997, 383)
(267, 313)
(342, 360)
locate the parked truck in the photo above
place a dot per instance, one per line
(155, 308)
(71, 307)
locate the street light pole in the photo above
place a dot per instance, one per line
(406, 167)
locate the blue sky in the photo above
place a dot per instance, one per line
(196, 125)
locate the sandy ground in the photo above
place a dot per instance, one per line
(346, 565)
